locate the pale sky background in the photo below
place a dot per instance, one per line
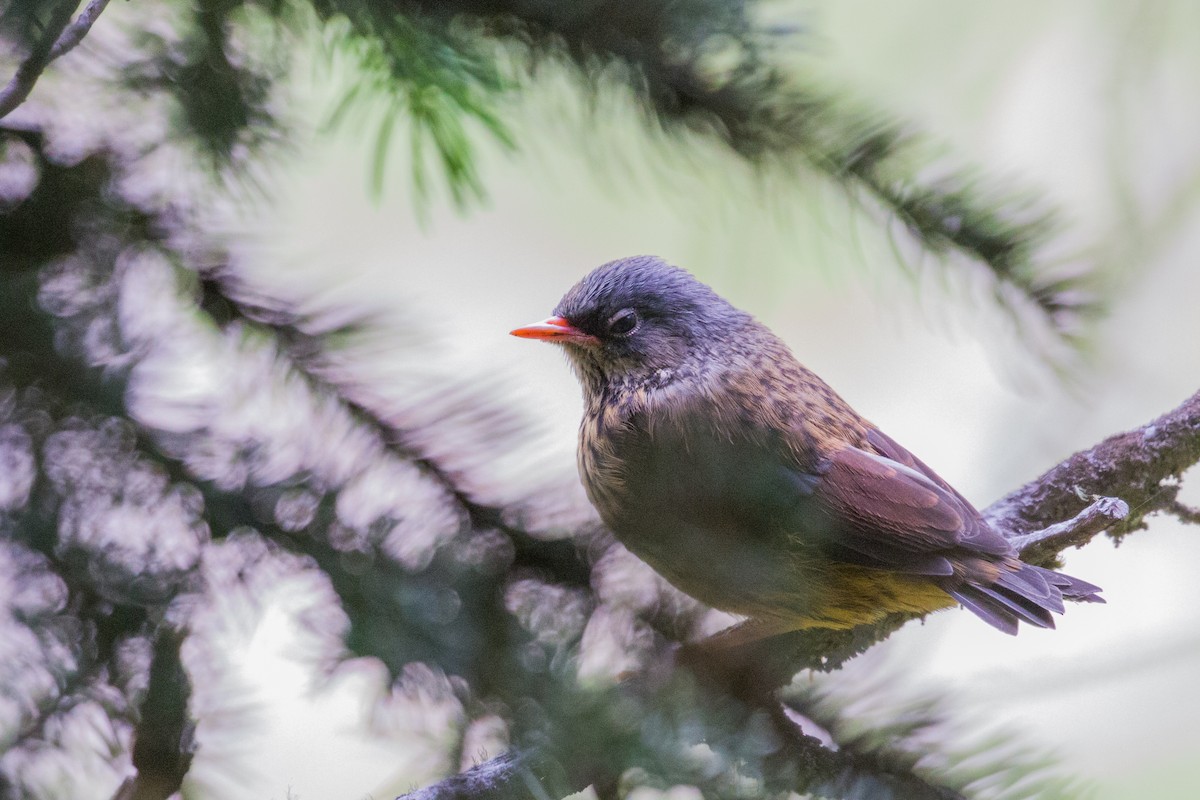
(1092, 103)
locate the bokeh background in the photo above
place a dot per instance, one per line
(1090, 106)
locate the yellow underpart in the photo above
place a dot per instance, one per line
(849, 596)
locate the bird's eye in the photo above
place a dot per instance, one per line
(623, 322)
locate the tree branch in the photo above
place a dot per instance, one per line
(75, 32)
(1139, 466)
(1044, 546)
(60, 36)
(509, 776)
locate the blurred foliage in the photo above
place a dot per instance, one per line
(171, 443)
(707, 67)
(431, 77)
(921, 734)
(221, 91)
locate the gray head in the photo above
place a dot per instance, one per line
(637, 316)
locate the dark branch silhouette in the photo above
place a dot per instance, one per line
(164, 738)
(1141, 467)
(58, 38)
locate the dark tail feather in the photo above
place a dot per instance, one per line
(982, 606)
(1071, 588)
(1034, 584)
(1030, 594)
(1001, 607)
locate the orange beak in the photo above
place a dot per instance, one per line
(555, 329)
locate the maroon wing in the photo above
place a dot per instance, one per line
(884, 509)
(975, 533)
(890, 516)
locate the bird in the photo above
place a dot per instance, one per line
(748, 483)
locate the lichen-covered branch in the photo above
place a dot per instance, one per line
(509, 776)
(1141, 467)
(1042, 547)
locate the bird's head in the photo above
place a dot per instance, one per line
(635, 318)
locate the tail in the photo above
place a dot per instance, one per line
(1028, 593)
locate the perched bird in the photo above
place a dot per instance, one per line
(748, 483)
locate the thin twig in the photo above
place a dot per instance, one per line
(59, 37)
(75, 32)
(1053, 539)
(39, 56)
